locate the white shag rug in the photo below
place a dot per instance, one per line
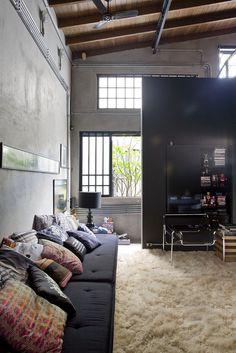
(189, 307)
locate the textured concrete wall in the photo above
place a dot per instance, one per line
(33, 108)
(193, 58)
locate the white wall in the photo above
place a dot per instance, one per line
(33, 114)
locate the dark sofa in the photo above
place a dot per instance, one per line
(93, 295)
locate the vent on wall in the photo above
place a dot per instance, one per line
(108, 210)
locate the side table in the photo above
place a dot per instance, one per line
(225, 245)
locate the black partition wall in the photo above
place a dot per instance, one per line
(188, 133)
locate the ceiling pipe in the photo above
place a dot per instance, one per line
(160, 24)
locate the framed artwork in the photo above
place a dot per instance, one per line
(59, 195)
(14, 158)
(63, 159)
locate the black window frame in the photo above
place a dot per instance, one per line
(226, 49)
(109, 134)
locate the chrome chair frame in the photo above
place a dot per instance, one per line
(179, 225)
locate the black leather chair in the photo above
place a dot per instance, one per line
(187, 230)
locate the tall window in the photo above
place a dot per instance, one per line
(227, 62)
(119, 92)
(111, 164)
(96, 163)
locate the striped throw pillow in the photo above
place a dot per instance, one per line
(25, 237)
(76, 247)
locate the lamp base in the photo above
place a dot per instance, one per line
(90, 223)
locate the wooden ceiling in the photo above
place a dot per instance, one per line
(185, 20)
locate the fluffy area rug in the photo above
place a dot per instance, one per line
(189, 307)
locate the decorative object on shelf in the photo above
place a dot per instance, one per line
(14, 158)
(63, 159)
(59, 195)
(108, 224)
(89, 200)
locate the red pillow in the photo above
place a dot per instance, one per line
(61, 255)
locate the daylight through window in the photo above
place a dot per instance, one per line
(119, 92)
(111, 164)
(227, 62)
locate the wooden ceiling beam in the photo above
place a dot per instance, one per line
(59, 3)
(176, 4)
(153, 9)
(117, 48)
(166, 39)
(96, 17)
(197, 35)
(170, 24)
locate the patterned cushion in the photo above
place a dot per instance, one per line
(43, 221)
(25, 237)
(76, 247)
(61, 255)
(59, 273)
(8, 242)
(54, 233)
(72, 222)
(16, 263)
(85, 229)
(5, 275)
(47, 288)
(90, 241)
(32, 251)
(28, 322)
(61, 220)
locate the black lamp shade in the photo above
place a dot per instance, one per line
(89, 199)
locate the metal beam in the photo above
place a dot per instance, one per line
(160, 24)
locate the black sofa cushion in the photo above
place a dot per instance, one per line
(100, 264)
(91, 330)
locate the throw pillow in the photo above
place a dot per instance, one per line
(76, 247)
(8, 242)
(61, 220)
(61, 255)
(25, 237)
(28, 322)
(85, 229)
(59, 273)
(89, 241)
(47, 288)
(42, 222)
(5, 275)
(32, 251)
(72, 222)
(54, 233)
(17, 263)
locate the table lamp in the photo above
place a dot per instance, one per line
(89, 200)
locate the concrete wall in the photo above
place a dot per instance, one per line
(195, 57)
(33, 114)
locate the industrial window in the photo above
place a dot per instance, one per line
(111, 163)
(227, 62)
(119, 92)
(123, 92)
